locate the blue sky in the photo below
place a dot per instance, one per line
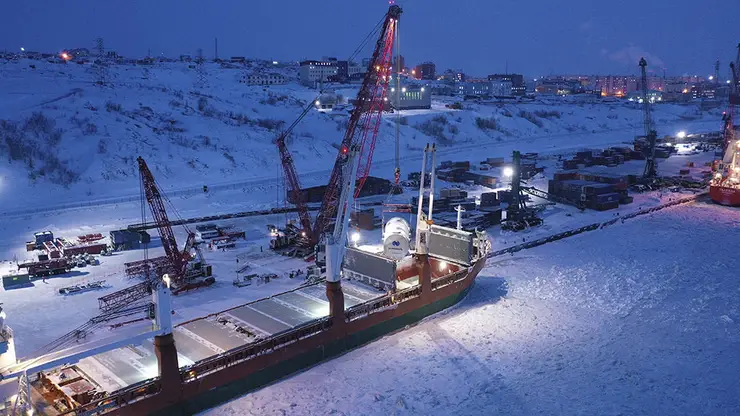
(535, 37)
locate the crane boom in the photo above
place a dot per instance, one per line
(164, 227)
(364, 122)
(650, 133)
(293, 183)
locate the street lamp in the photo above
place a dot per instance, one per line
(681, 134)
(508, 171)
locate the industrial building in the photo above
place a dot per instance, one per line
(345, 69)
(311, 73)
(474, 89)
(426, 71)
(411, 97)
(264, 79)
(518, 86)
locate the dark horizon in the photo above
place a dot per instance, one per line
(481, 38)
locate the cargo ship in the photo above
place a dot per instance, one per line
(724, 187)
(369, 291)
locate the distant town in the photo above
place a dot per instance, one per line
(417, 84)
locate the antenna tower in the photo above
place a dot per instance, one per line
(101, 66)
(200, 68)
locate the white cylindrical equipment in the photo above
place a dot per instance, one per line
(396, 238)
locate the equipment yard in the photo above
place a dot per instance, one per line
(36, 330)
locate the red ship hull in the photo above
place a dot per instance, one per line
(724, 195)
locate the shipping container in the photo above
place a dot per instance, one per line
(598, 189)
(564, 176)
(613, 197)
(504, 196)
(465, 165)
(606, 206)
(495, 161)
(584, 154)
(570, 164)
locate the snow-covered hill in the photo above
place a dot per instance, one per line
(60, 132)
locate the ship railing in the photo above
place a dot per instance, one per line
(6, 333)
(449, 279)
(249, 351)
(373, 305)
(117, 399)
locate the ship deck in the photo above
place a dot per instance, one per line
(221, 332)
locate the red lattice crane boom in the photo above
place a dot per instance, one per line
(364, 121)
(164, 227)
(294, 185)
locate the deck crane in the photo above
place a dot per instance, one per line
(728, 123)
(651, 170)
(176, 260)
(362, 132)
(364, 121)
(728, 127)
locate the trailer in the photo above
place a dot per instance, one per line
(47, 267)
(82, 287)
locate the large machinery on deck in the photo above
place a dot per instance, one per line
(362, 132)
(725, 186)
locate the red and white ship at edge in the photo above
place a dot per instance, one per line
(724, 188)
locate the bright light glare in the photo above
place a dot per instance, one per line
(23, 49)
(728, 81)
(508, 171)
(166, 279)
(274, 62)
(317, 102)
(355, 237)
(711, 78)
(442, 265)
(681, 134)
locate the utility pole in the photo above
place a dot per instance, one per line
(216, 52)
(100, 63)
(651, 170)
(716, 72)
(397, 172)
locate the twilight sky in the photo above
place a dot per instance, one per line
(535, 37)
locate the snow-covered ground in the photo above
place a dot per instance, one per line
(223, 133)
(636, 319)
(523, 325)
